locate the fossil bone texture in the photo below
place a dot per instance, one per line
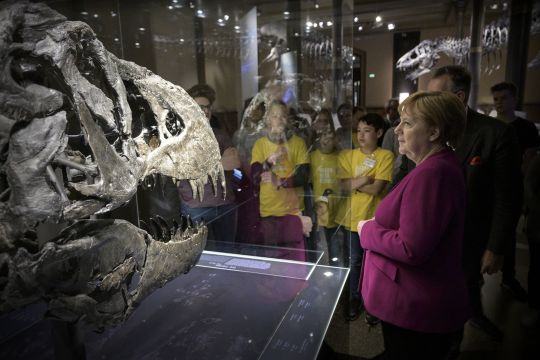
(424, 56)
(79, 130)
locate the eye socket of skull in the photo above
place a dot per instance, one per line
(174, 123)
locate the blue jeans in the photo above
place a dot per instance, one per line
(221, 220)
(353, 257)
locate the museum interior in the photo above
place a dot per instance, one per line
(191, 179)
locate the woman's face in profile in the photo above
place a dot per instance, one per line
(413, 136)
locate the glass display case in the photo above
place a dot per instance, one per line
(248, 283)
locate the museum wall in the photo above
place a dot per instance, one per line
(378, 48)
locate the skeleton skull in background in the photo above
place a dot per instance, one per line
(424, 56)
(72, 146)
(419, 60)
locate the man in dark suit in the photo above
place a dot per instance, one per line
(490, 156)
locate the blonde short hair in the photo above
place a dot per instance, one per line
(440, 109)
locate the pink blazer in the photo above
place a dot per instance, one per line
(412, 273)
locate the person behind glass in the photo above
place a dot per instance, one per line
(363, 174)
(412, 278)
(248, 208)
(504, 98)
(389, 141)
(532, 229)
(344, 132)
(280, 169)
(323, 172)
(220, 214)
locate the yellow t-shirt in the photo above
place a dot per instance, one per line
(360, 205)
(281, 201)
(323, 175)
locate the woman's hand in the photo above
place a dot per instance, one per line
(361, 224)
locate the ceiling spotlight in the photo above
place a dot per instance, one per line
(286, 13)
(84, 13)
(226, 17)
(356, 19)
(378, 18)
(309, 24)
(494, 6)
(321, 24)
(170, 7)
(360, 28)
(201, 13)
(391, 26)
(236, 27)
(182, 40)
(315, 25)
(113, 14)
(328, 23)
(137, 45)
(316, 6)
(95, 16)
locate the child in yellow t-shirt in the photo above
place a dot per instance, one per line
(363, 174)
(326, 191)
(280, 164)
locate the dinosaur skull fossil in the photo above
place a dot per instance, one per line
(419, 60)
(79, 130)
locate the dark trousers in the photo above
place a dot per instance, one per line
(472, 257)
(509, 265)
(405, 344)
(336, 250)
(353, 257)
(533, 280)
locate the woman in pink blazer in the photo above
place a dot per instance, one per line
(412, 277)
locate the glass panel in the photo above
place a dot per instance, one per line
(282, 74)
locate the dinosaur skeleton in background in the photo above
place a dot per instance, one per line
(79, 130)
(424, 56)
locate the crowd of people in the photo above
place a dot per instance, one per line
(420, 203)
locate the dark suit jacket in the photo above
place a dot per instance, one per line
(489, 154)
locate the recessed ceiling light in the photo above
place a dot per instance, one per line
(360, 28)
(378, 18)
(391, 26)
(356, 19)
